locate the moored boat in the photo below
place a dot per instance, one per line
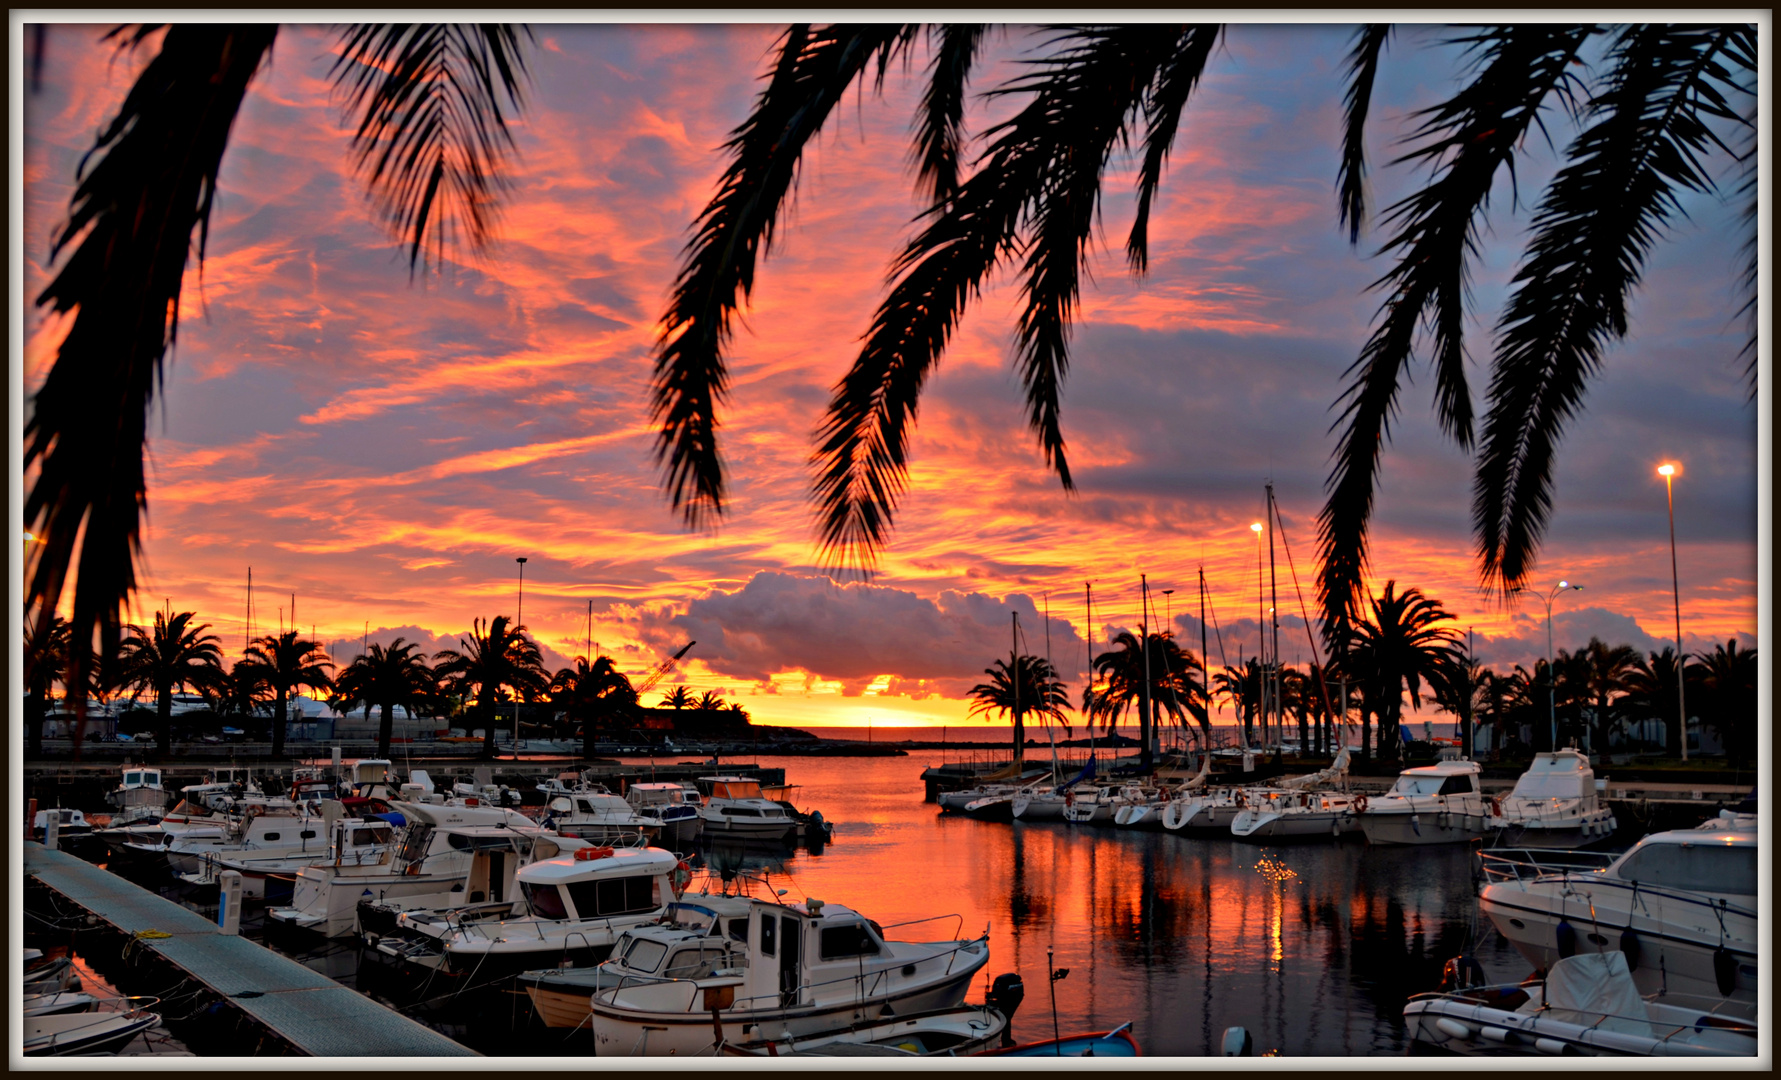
(1555, 804)
(1430, 804)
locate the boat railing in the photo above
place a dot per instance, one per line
(957, 929)
(1526, 864)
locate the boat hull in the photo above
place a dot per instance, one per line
(1039, 808)
(1426, 827)
(1274, 825)
(633, 1033)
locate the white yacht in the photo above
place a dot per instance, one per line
(597, 817)
(1555, 804)
(738, 970)
(1208, 813)
(737, 811)
(1430, 804)
(569, 910)
(666, 806)
(1680, 904)
(445, 852)
(350, 842)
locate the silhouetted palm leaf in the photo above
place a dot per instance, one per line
(433, 104)
(940, 122)
(1041, 175)
(132, 214)
(1593, 231)
(1162, 116)
(1467, 139)
(1351, 178)
(735, 229)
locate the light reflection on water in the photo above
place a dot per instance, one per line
(1314, 948)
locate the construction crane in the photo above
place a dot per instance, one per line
(661, 669)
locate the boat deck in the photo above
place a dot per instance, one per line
(310, 1012)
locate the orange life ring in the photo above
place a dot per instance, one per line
(1165, 794)
(682, 876)
(1496, 806)
(1069, 799)
(1360, 804)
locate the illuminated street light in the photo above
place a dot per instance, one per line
(1668, 471)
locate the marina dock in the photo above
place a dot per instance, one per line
(307, 1013)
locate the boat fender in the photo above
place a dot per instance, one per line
(1005, 996)
(1360, 804)
(1725, 970)
(1629, 946)
(1549, 1046)
(1567, 939)
(1237, 1043)
(1454, 1028)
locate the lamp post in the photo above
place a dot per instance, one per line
(1551, 673)
(1261, 634)
(1668, 472)
(519, 621)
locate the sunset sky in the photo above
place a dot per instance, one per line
(385, 449)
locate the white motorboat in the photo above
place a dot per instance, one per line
(274, 833)
(1555, 804)
(1681, 904)
(956, 801)
(72, 826)
(90, 1032)
(1587, 1005)
(58, 1001)
(444, 856)
(1430, 804)
(665, 806)
(599, 818)
(733, 970)
(736, 810)
(569, 910)
(1040, 804)
(354, 842)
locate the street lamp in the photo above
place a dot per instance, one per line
(1261, 635)
(519, 622)
(1668, 472)
(1551, 673)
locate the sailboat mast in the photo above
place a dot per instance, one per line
(1088, 640)
(1274, 617)
(1014, 679)
(1261, 641)
(1205, 658)
(1144, 690)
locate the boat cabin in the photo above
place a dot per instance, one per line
(599, 883)
(140, 776)
(1715, 862)
(1444, 778)
(733, 787)
(655, 794)
(1564, 774)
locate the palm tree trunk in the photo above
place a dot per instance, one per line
(278, 722)
(36, 707)
(384, 731)
(164, 721)
(487, 707)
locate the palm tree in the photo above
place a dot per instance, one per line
(1028, 687)
(592, 692)
(173, 655)
(1242, 686)
(678, 698)
(386, 677)
(1651, 694)
(46, 664)
(286, 662)
(710, 701)
(1641, 112)
(430, 106)
(1173, 684)
(241, 692)
(494, 655)
(1398, 649)
(1605, 673)
(1724, 681)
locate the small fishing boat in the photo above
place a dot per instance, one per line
(74, 834)
(1587, 1005)
(1116, 1043)
(736, 811)
(138, 796)
(723, 969)
(665, 805)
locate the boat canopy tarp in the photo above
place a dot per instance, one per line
(1592, 987)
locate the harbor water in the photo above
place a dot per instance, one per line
(1312, 947)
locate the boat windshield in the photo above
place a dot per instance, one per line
(644, 954)
(132, 778)
(1551, 785)
(1709, 867)
(1417, 785)
(736, 789)
(544, 901)
(690, 916)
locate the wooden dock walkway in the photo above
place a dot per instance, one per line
(310, 1012)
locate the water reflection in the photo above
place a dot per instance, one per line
(1314, 948)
